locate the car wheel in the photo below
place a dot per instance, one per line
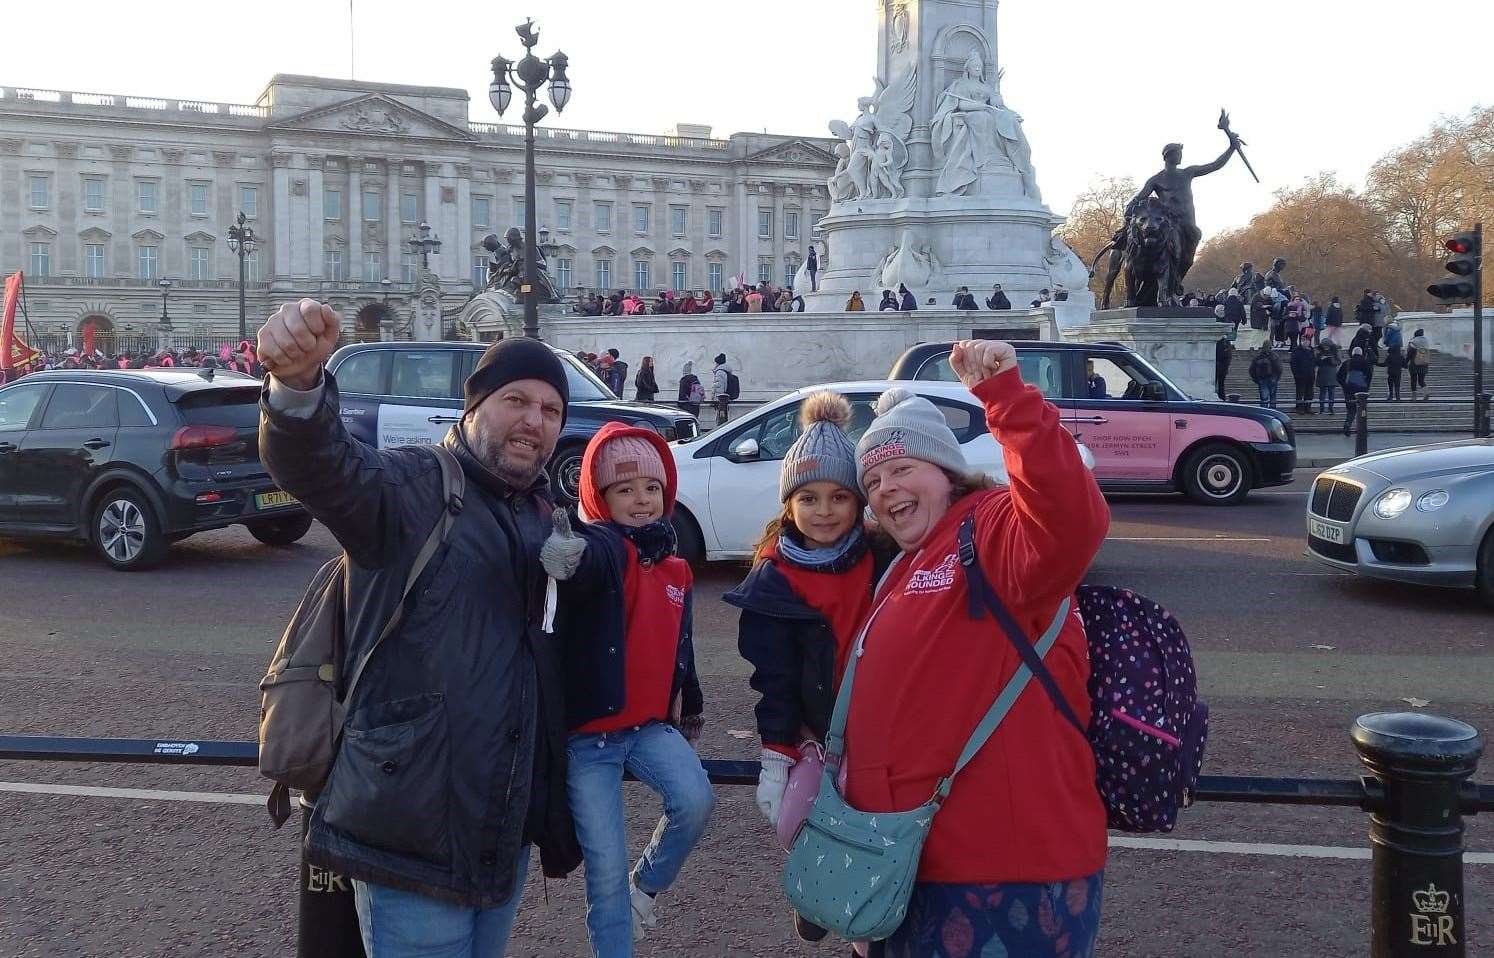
(125, 531)
(689, 544)
(565, 475)
(1217, 475)
(1485, 578)
(284, 531)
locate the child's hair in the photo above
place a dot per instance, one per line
(780, 524)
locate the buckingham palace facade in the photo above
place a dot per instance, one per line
(103, 196)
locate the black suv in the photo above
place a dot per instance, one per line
(396, 394)
(134, 460)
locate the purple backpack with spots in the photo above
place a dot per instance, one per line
(1147, 724)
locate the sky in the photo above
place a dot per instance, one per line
(1311, 85)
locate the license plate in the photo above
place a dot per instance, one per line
(1324, 531)
(274, 500)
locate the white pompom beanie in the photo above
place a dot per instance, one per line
(908, 426)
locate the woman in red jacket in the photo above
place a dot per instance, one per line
(1016, 856)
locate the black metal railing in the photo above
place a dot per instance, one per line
(1417, 792)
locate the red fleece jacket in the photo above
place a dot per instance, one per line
(1025, 809)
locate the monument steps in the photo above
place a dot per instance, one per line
(1450, 381)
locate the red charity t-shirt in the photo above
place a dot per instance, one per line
(654, 603)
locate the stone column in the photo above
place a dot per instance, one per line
(780, 233)
(120, 256)
(432, 189)
(353, 190)
(315, 221)
(67, 192)
(460, 244)
(391, 219)
(746, 251)
(280, 210)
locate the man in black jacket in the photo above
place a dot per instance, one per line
(1224, 354)
(997, 299)
(453, 756)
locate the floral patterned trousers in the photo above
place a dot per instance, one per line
(1054, 920)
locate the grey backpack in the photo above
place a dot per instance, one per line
(301, 713)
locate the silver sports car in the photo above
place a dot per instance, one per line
(1422, 514)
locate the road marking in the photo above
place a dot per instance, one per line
(1265, 848)
(139, 794)
(1185, 538)
(1116, 841)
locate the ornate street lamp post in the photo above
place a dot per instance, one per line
(529, 75)
(425, 244)
(163, 328)
(241, 241)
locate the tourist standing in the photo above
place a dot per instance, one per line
(1304, 369)
(812, 260)
(1265, 372)
(754, 301)
(808, 592)
(1224, 355)
(1024, 821)
(465, 704)
(721, 378)
(906, 301)
(1327, 377)
(889, 301)
(644, 382)
(1234, 310)
(1419, 360)
(998, 299)
(855, 304)
(692, 394)
(1354, 377)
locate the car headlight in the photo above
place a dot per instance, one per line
(1432, 501)
(1393, 503)
(1278, 431)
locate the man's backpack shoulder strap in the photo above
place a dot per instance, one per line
(453, 486)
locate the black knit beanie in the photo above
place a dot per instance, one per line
(510, 360)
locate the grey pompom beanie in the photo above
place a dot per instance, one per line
(908, 426)
(824, 451)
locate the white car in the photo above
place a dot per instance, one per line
(728, 479)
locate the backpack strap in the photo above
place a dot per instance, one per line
(983, 597)
(453, 484)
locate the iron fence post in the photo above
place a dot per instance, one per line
(326, 920)
(1416, 830)
(1361, 423)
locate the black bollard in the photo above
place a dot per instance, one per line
(327, 921)
(1481, 416)
(1416, 830)
(1361, 424)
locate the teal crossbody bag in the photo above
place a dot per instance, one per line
(852, 872)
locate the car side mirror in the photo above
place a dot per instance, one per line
(746, 449)
(1154, 392)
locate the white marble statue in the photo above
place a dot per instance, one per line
(971, 126)
(910, 263)
(841, 186)
(877, 142)
(1065, 268)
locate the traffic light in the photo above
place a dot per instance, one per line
(1464, 263)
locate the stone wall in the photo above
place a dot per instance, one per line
(1450, 332)
(776, 353)
(1183, 349)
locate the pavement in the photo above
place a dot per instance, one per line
(1289, 652)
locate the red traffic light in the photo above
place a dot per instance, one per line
(1460, 245)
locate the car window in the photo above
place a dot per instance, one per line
(1112, 376)
(423, 374)
(1043, 369)
(362, 373)
(17, 404)
(777, 432)
(75, 406)
(960, 418)
(131, 410)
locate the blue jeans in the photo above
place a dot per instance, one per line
(661, 758)
(403, 924)
(1326, 398)
(1267, 390)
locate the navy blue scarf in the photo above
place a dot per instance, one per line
(654, 542)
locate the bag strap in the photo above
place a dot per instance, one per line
(453, 484)
(983, 597)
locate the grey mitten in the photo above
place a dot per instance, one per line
(562, 551)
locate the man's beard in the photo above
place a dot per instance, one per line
(489, 452)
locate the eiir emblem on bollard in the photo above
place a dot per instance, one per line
(1430, 923)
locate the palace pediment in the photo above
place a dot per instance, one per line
(374, 115)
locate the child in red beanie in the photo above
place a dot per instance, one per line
(632, 697)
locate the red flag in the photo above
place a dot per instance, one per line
(13, 350)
